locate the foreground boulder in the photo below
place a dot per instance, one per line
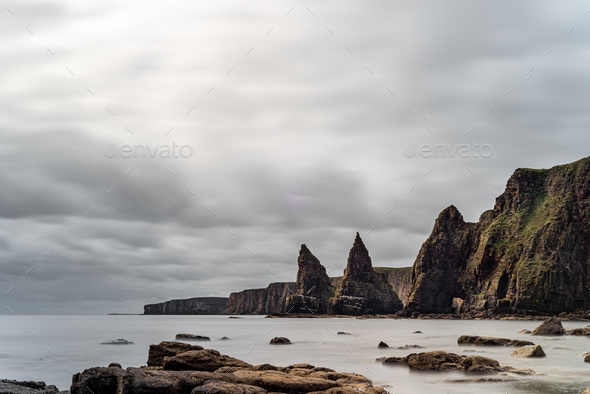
(549, 327)
(529, 351)
(443, 361)
(235, 376)
(157, 353)
(490, 341)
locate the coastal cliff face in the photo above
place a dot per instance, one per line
(400, 279)
(314, 287)
(530, 254)
(260, 301)
(363, 290)
(190, 306)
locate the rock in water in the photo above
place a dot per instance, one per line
(440, 361)
(201, 360)
(313, 286)
(549, 327)
(117, 342)
(524, 332)
(363, 290)
(192, 337)
(490, 341)
(587, 358)
(280, 341)
(528, 255)
(382, 344)
(529, 351)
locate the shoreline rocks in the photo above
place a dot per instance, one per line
(207, 371)
(27, 387)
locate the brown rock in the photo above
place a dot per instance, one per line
(201, 360)
(192, 337)
(167, 349)
(549, 327)
(382, 344)
(218, 387)
(529, 351)
(587, 358)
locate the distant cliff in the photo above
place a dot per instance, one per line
(260, 301)
(399, 279)
(530, 254)
(190, 306)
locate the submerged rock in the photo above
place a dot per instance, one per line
(117, 342)
(343, 333)
(549, 327)
(524, 332)
(280, 341)
(529, 351)
(192, 337)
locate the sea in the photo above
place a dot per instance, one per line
(52, 348)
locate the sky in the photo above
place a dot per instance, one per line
(162, 150)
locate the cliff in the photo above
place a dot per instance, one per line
(399, 279)
(260, 301)
(363, 290)
(530, 254)
(314, 287)
(190, 306)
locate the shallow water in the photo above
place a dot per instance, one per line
(62, 342)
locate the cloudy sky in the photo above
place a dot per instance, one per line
(302, 122)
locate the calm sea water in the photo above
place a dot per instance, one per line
(63, 343)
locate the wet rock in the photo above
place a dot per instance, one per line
(410, 347)
(27, 387)
(587, 358)
(192, 337)
(158, 352)
(549, 327)
(115, 365)
(382, 345)
(117, 342)
(224, 339)
(491, 341)
(343, 333)
(417, 332)
(529, 351)
(524, 332)
(280, 341)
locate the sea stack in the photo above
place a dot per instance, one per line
(362, 289)
(313, 286)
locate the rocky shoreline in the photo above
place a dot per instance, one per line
(438, 316)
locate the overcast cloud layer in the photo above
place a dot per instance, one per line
(301, 139)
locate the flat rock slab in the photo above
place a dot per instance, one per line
(491, 341)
